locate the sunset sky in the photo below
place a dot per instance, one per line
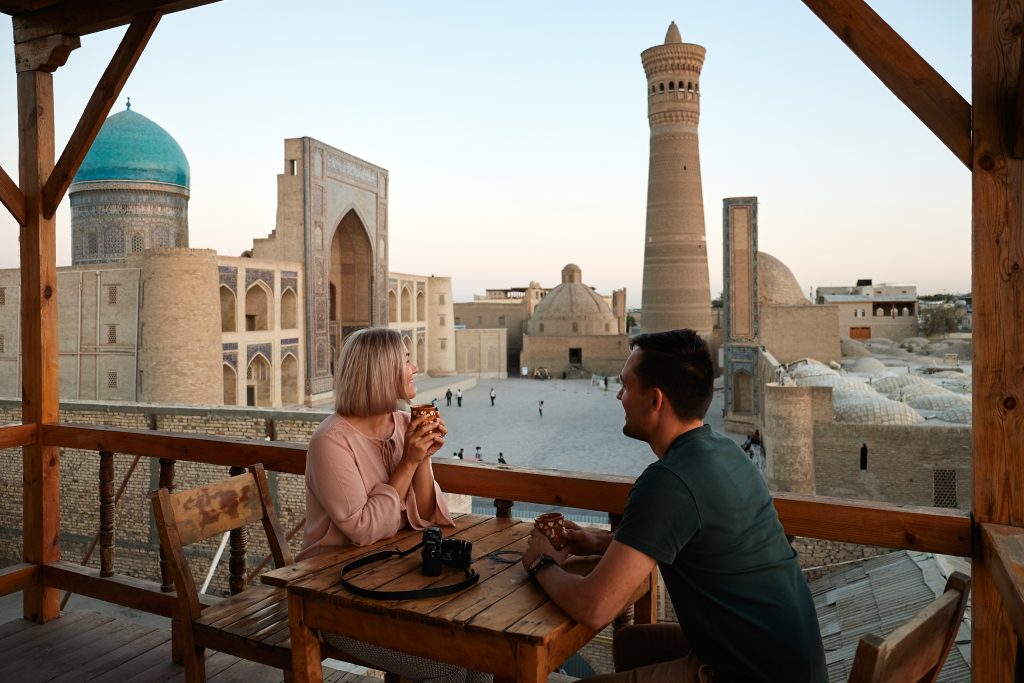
(516, 134)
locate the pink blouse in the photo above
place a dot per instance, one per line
(348, 498)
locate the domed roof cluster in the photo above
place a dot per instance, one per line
(873, 395)
(572, 302)
(131, 147)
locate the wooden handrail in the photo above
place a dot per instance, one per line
(881, 524)
(18, 577)
(17, 435)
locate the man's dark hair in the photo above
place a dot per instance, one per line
(678, 363)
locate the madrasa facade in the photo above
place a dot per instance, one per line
(145, 318)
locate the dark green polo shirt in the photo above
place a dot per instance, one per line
(704, 513)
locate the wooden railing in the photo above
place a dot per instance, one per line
(922, 529)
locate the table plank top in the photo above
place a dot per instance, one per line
(504, 601)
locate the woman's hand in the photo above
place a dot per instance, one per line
(423, 438)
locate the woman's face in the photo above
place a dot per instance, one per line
(409, 371)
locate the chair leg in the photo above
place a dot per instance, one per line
(195, 665)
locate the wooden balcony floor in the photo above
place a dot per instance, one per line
(87, 646)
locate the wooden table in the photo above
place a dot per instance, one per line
(503, 624)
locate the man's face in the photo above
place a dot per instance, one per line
(635, 400)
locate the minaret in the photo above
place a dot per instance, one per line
(677, 290)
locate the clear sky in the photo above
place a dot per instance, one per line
(516, 134)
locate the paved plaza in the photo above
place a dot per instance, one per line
(581, 430)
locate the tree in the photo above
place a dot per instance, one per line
(941, 319)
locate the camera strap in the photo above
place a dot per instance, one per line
(432, 592)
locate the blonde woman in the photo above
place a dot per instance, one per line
(368, 475)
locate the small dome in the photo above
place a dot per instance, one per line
(572, 308)
(876, 410)
(131, 147)
(869, 366)
(776, 283)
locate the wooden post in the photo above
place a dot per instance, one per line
(41, 464)
(239, 540)
(106, 513)
(998, 287)
(503, 509)
(166, 482)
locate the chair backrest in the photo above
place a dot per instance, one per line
(193, 515)
(916, 650)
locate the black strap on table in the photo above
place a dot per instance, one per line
(432, 592)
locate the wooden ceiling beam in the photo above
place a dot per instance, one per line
(81, 17)
(12, 197)
(107, 91)
(906, 73)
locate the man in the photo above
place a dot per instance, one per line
(703, 515)
(448, 398)
(458, 396)
(492, 396)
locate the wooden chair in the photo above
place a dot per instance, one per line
(916, 651)
(251, 625)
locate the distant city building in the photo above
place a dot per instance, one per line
(561, 323)
(144, 318)
(868, 310)
(676, 285)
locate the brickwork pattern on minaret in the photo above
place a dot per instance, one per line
(676, 284)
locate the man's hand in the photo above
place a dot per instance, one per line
(540, 545)
(586, 541)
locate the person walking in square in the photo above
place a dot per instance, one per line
(479, 456)
(492, 396)
(501, 458)
(540, 408)
(448, 397)
(458, 396)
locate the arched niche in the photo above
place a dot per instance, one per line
(351, 274)
(392, 306)
(257, 307)
(258, 380)
(227, 309)
(421, 306)
(230, 386)
(290, 393)
(406, 304)
(289, 309)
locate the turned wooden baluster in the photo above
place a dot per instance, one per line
(166, 482)
(239, 539)
(503, 508)
(106, 513)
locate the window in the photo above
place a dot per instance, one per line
(444, 344)
(92, 244)
(250, 323)
(3, 296)
(111, 334)
(575, 327)
(440, 299)
(541, 327)
(112, 379)
(2, 344)
(944, 488)
(442, 320)
(138, 242)
(111, 294)
(864, 457)
(501, 320)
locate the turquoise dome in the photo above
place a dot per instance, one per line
(131, 147)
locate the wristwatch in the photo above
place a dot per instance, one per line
(538, 564)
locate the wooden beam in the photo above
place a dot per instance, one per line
(17, 435)
(1003, 552)
(998, 287)
(11, 197)
(126, 591)
(107, 91)
(18, 577)
(910, 78)
(41, 464)
(81, 17)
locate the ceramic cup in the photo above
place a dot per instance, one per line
(424, 409)
(552, 525)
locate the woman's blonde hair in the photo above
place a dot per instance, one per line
(369, 373)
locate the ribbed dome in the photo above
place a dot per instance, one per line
(776, 283)
(572, 302)
(131, 147)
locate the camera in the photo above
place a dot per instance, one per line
(439, 551)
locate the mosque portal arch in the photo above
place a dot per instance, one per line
(257, 307)
(289, 309)
(227, 309)
(290, 380)
(230, 386)
(742, 393)
(351, 277)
